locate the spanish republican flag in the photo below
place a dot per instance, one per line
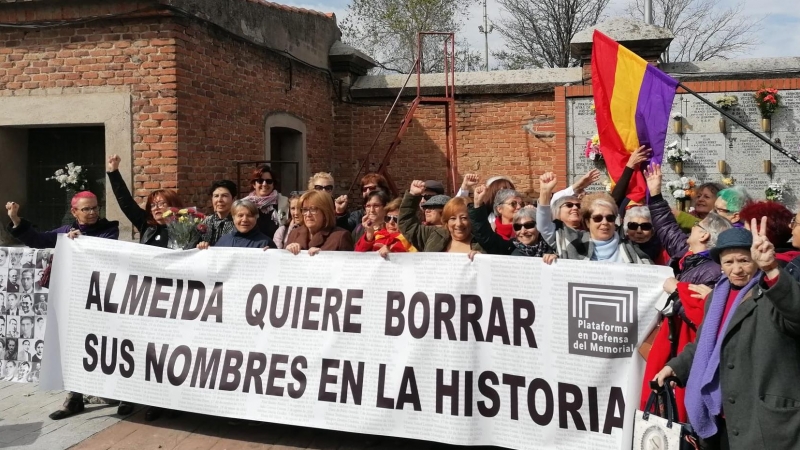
(632, 101)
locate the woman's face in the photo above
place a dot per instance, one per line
(738, 265)
(459, 226)
(158, 207)
(294, 211)
(704, 202)
(323, 184)
(312, 217)
(526, 231)
(221, 200)
(795, 225)
(601, 223)
(391, 221)
(640, 230)
(243, 220)
(570, 214)
(507, 209)
(265, 185)
(721, 208)
(375, 210)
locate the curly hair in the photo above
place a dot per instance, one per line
(778, 219)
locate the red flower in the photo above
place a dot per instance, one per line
(769, 99)
(202, 228)
(199, 215)
(174, 210)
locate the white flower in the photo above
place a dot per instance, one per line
(680, 193)
(71, 166)
(672, 145)
(60, 172)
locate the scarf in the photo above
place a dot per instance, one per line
(264, 204)
(505, 231)
(703, 391)
(606, 250)
(537, 249)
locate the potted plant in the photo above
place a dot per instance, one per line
(768, 101)
(682, 190)
(726, 103)
(592, 151)
(678, 122)
(774, 192)
(676, 156)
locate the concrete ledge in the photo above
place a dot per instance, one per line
(734, 69)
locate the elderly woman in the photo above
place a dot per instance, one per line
(281, 236)
(506, 203)
(377, 236)
(454, 237)
(219, 223)
(729, 204)
(779, 227)
(321, 181)
(741, 373)
(433, 209)
(638, 227)
(246, 234)
(150, 221)
(703, 202)
(272, 206)
(601, 242)
(319, 230)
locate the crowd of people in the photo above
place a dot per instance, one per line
(728, 331)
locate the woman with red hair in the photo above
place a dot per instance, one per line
(779, 227)
(273, 208)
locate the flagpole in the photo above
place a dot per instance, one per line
(738, 122)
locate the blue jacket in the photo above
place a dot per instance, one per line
(252, 239)
(29, 236)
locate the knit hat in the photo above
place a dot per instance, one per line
(732, 238)
(437, 201)
(435, 186)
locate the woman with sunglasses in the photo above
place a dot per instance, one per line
(638, 227)
(281, 237)
(376, 235)
(321, 181)
(272, 206)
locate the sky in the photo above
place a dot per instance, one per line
(779, 34)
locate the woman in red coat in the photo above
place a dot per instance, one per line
(380, 229)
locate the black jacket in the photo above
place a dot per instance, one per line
(156, 235)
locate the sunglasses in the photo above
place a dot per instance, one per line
(571, 205)
(262, 181)
(428, 197)
(368, 188)
(633, 226)
(319, 187)
(526, 225)
(391, 219)
(598, 218)
(515, 204)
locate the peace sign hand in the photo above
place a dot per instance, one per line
(762, 250)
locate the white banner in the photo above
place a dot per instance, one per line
(502, 351)
(23, 312)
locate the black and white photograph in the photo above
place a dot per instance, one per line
(2, 279)
(3, 256)
(38, 285)
(26, 281)
(9, 370)
(33, 376)
(11, 349)
(15, 258)
(43, 258)
(2, 326)
(12, 326)
(2, 304)
(38, 349)
(2, 347)
(25, 351)
(12, 285)
(38, 327)
(29, 258)
(26, 327)
(25, 305)
(23, 369)
(12, 304)
(40, 304)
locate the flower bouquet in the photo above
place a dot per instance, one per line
(71, 177)
(682, 189)
(676, 154)
(185, 226)
(727, 102)
(593, 149)
(775, 191)
(768, 101)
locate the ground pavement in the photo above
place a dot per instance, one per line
(24, 425)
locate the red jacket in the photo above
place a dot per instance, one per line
(660, 352)
(396, 242)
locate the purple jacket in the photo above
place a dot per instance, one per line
(697, 268)
(26, 234)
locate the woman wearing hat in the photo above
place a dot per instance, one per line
(741, 373)
(432, 208)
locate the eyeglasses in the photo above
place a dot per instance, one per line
(428, 196)
(700, 226)
(633, 226)
(793, 223)
(269, 181)
(319, 187)
(88, 209)
(526, 225)
(372, 206)
(722, 210)
(369, 187)
(391, 219)
(514, 204)
(157, 205)
(598, 218)
(571, 205)
(309, 211)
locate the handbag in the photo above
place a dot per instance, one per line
(657, 427)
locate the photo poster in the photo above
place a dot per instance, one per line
(503, 351)
(23, 312)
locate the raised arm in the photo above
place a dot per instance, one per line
(482, 229)
(544, 215)
(639, 156)
(408, 218)
(669, 233)
(127, 204)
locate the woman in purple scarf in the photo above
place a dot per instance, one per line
(273, 207)
(741, 374)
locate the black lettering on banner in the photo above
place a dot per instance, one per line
(514, 382)
(231, 367)
(256, 317)
(468, 393)
(159, 296)
(616, 401)
(136, 296)
(253, 373)
(383, 401)
(156, 365)
(408, 390)
(325, 379)
(331, 310)
(297, 390)
(125, 354)
(351, 309)
(352, 382)
(447, 390)
(214, 304)
(572, 406)
(497, 314)
(394, 312)
(546, 417)
(296, 310)
(471, 318)
(443, 316)
(420, 299)
(490, 393)
(276, 320)
(110, 367)
(90, 363)
(173, 312)
(108, 305)
(310, 306)
(190, 313)
(205, 368)
(93, 297)
(593, 419)
(524, 324)
(275, 372)
(178, 379)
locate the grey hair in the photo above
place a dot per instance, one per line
(246, 204)
(556, 205)
(637, 212)
(714, 225)
(503, 195)
(525, 213)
